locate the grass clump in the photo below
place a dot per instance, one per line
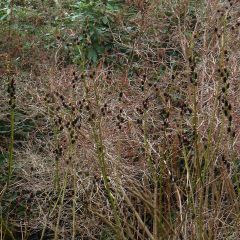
(130, 119)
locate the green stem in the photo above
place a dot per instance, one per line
(11, 146)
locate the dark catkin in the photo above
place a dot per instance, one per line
(142, 88)
(87, 107)
(61, 97)
(140, 111)
(229, 107)
(65, 105)
(139, 121)
(195, 75)
(145, 104)
(67, 125)
(76, 120)
(121, 120)
(93, 116)
(59, 120)
(229, 129)
(120, 96)
(74, 108)
(103, 111)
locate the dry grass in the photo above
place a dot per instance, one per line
(144, 149)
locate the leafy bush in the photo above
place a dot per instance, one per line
(97, 20)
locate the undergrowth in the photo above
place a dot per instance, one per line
(119, 120)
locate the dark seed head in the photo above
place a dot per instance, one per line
(139, 121)
(229, 107)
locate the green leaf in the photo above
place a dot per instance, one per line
(105, 20)
(92, 55)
